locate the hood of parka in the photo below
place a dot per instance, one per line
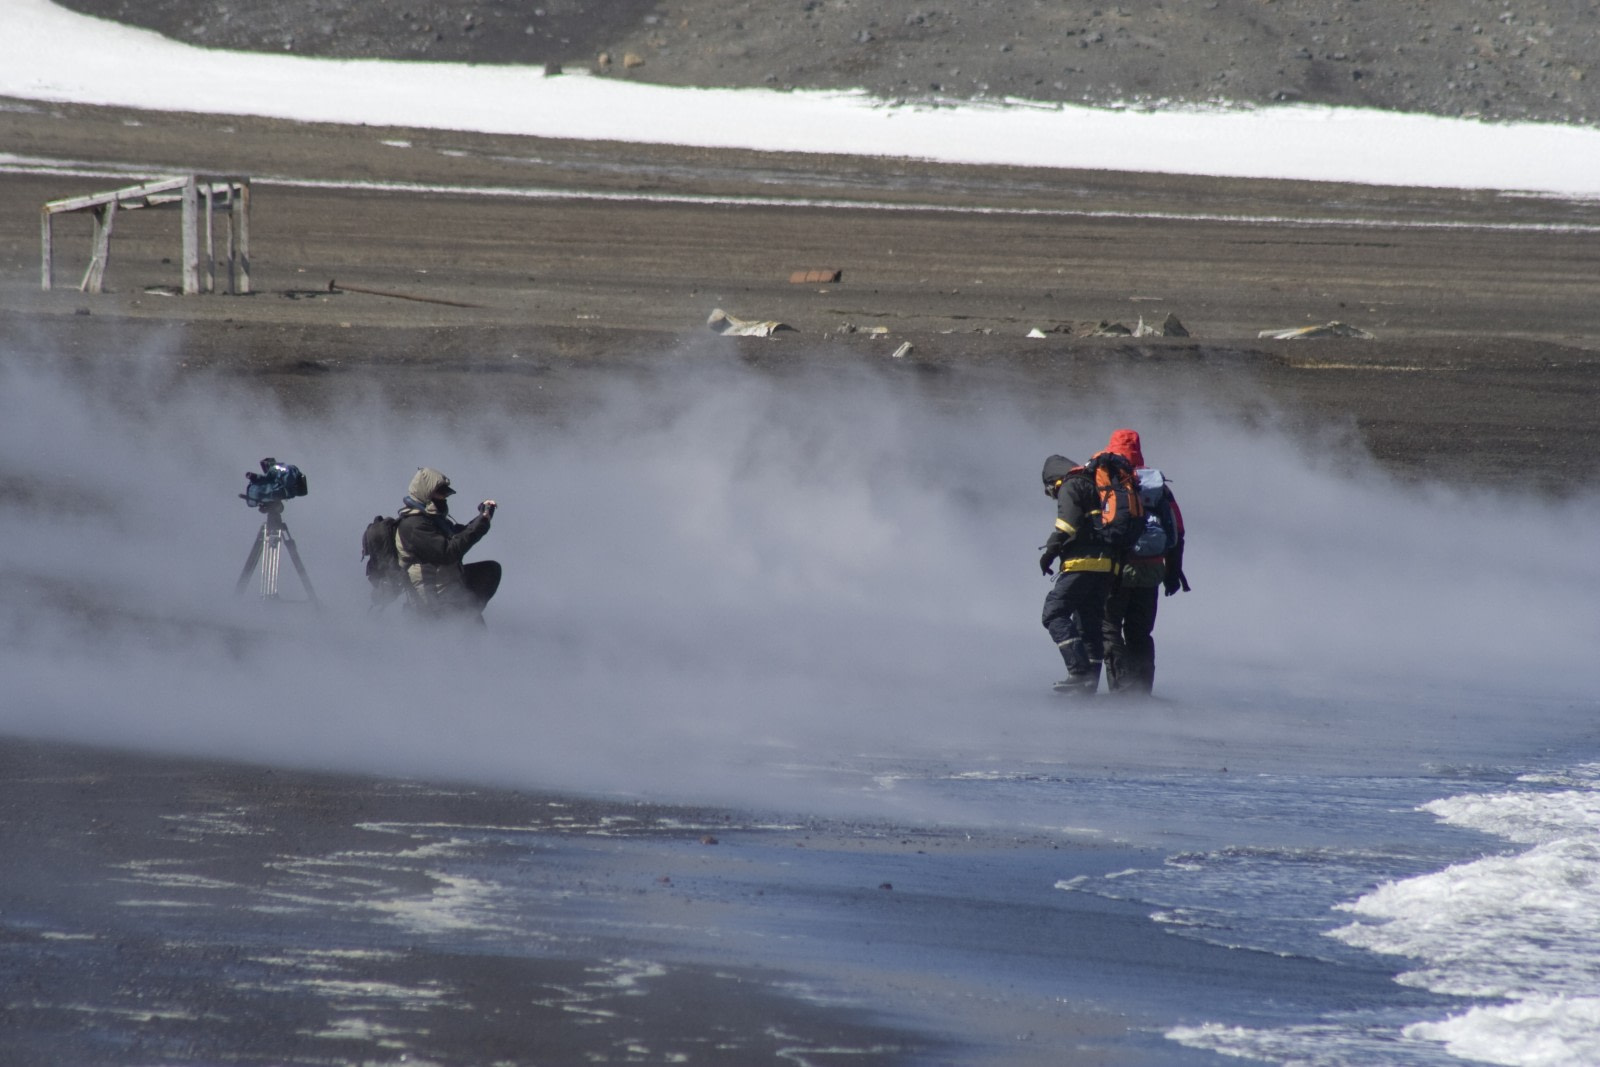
(1056, 469)
(1125, 443)
(424, 484)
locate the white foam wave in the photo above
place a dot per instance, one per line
(1537, 1032)
(1314, 1045)
(1522, 929)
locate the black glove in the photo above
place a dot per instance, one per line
(1046, 561)
(1174, 579)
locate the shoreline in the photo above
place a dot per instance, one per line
(180, 867)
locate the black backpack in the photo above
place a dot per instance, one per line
(383, 560)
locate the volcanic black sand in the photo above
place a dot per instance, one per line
(1481, 307)
(1483, 365)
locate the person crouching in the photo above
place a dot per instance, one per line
(431, 546)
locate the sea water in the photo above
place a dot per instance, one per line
(1474, 891)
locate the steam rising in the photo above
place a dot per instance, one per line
(727, 585)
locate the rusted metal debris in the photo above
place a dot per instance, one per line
(815, 277)
(335, 287)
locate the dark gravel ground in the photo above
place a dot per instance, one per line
(1499, 59)
(1484, 364)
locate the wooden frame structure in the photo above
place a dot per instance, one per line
(200, 197)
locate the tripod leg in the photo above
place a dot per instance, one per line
(294, 556)
(251, 561)
(270, 558)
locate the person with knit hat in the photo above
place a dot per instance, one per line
(1074, 606)
(431, 546)
(1129, 620)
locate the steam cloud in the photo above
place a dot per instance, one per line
(728, 585)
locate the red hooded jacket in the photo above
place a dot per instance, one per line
(1126, 443)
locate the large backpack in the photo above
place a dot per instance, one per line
(1160, 533)
(384, 572)
(1120, 521)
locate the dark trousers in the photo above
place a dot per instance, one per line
(481, 579)
(1074, 612)
(1130, 620)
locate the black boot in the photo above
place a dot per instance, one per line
(1078, 686)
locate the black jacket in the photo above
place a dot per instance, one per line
(1074, 541)
(431, 547)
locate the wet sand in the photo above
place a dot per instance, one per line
(190, 911)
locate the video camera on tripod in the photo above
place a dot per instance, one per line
(267, 491)
(276, 483)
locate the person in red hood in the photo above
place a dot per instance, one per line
(1156, 563)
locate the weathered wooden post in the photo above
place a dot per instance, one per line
(211, 245)
(46, 252)
(241, 229)
(191, 236)
(227, 236)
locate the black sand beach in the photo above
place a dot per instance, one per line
(191, 911)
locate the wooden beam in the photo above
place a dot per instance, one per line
(105, 217)
(135, 192)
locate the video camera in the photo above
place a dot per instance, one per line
(276, 483)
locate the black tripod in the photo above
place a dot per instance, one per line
(267, 552)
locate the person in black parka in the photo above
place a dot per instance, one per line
(431, 546)
(1074, 608)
